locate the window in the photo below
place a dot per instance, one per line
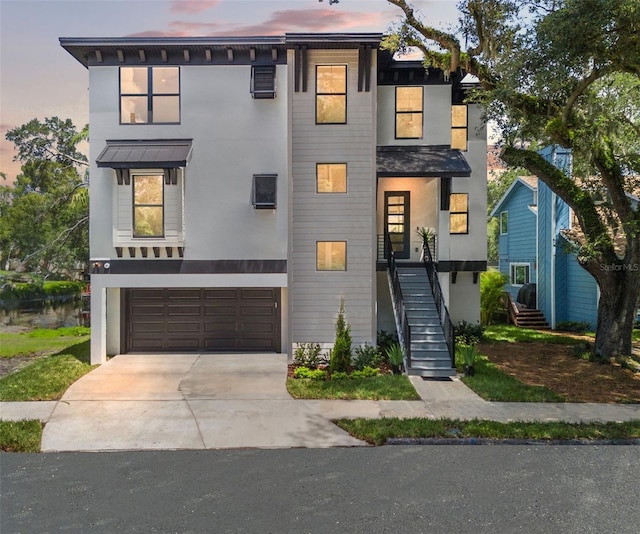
(331, 177)
(148, 205)
(459, 213)
(263, 194)
(504, 222)
(331, 94)
(409, 112)
(149, 95)
(331, 255)
(263, 81)
(459, 127)
(519, 273)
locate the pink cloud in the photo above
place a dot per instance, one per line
(192, 6)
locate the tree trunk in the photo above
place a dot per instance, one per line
(619, 294)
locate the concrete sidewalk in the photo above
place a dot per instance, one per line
(218, 401)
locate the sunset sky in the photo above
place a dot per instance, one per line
(39, 79)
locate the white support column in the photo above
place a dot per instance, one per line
(98, 324)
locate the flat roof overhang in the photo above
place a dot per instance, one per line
(148, 154)
(421, 161)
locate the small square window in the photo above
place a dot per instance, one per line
(519, 274)
(331, 255)
(331, 177)
(263, 195)
(263, 81)
(149, 95)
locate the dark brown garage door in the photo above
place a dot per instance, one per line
(192, 320)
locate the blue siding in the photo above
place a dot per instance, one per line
(582, 294)
(545, 242)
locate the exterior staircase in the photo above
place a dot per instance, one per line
(429, 354)
(524, 317)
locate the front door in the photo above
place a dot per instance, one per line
(396, 222)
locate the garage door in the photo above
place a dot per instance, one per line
(193, 320)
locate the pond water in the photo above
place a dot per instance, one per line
(47, 316)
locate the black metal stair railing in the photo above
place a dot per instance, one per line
(443, 313)
(398, 301)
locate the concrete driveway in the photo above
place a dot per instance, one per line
(192, 401)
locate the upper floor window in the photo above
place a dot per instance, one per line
(409, 112)
(459, 127)
(331, 94)
(148, 205)
(149, 95)
(331, 255)
(504, 222)
(459, 213)
(331, 177)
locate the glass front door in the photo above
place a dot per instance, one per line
(396, 222)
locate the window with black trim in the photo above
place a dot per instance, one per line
(504, 222)
(331, 94)
(519, 273)
(264, 191)
(149, 95)
(409, 112)
(331, 177)
(331, 255)
(459, 127)
(148, 205)
(263, 81)
(459, 213)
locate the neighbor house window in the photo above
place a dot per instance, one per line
(331, 255)
(459, 213)
(519, 274)
(504, 222)
(331, 177)
(149, 95)
(409, 112)
(331, 94)
(148, 205)
(459, 127)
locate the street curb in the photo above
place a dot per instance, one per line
(489, 441)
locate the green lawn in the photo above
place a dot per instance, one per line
(513, 334)
(40, 341)
(20, 436)
(383, 387)
(377, 431)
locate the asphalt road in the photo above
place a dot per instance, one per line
(399, 489)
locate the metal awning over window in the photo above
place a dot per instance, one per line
(156, 154)
(421, 161)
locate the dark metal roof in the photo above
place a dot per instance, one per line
(152, 154)
(418, 161)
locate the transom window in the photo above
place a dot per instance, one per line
(409, 112)
(459, 213)
(149, 95)
(148, 205)
(459, 127)
(331, 94)
(519, 273)
(331, 255)
(331, 177)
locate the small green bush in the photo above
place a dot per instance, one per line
(468, 333)
(367, 356)
(469, 354)
(339, 375)
(313, 374)
(491, 289)
(395, 354)
(573, 326)
(365, 372)
(309, 355)
(340, 359)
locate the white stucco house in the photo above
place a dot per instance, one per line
(241, 187)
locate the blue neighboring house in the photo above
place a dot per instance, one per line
(534, 248)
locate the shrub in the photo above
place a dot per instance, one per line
(367, 356)
(469, 354)
(491, 289)
(341, 353)
(339, 375)
(365, 372)
(468, 333)
(313, 374)
(395, 354)
(573, 326)
(309, 355)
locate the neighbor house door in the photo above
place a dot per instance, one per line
(396, 222)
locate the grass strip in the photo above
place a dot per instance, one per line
(377, 431)
(20, 436)
(47, 378)
(514, 334)
(383, 387)
(44, 340)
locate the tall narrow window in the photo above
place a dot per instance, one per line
(409, 112)
(331, 94)
(148, 205)
(459, 127)
(459, 213)
(504, 222)
(331, 255)
(331, 177)
(149, 95)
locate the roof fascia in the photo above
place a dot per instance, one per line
(506, 194)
